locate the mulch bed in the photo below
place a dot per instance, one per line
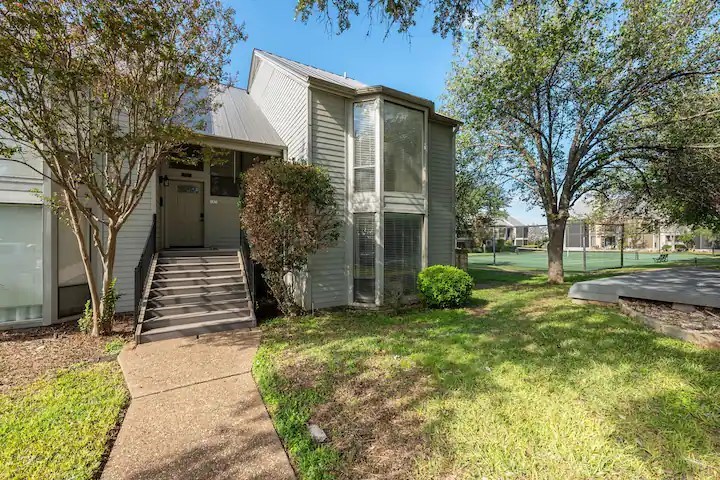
(27, 354)
(701, 319)
(700, 325)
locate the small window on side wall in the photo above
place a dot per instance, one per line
(223, 177)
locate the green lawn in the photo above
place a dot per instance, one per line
(529, 386)
(58, 427)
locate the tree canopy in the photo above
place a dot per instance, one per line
(103, 91)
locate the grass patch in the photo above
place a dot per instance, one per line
(113, 347)
(533, 386)
(58, 427)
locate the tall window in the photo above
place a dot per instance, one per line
(364, 121)
(403, 148)
(403, 252)
(21, 279)
(364, 264)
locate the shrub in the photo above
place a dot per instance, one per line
(85, 322)
(444, 286)
(289, 212)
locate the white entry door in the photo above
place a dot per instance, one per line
(184, 219)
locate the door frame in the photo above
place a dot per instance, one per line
(165, 189)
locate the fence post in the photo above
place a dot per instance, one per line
(584, 246)
(494, 241)
(622, 245)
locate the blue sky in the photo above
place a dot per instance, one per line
(417, 64)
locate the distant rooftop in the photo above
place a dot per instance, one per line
(511, 221)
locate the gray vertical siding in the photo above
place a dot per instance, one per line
(441, 195)
(328, 271)
(222, 222)
(130, 245)
(283, 101)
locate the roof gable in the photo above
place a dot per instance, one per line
(307, 72)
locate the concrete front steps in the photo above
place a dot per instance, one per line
(193, 292)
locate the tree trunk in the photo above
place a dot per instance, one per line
(76, 225)
(556, 232)
(105, 317)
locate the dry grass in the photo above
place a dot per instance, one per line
(375, 423)
(28, 354)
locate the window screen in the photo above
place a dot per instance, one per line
(403, 252)
(403, 148)
(365, 118)
(364, 264)
(223, 177)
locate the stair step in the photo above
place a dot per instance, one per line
(216, 287)
(153, 312)
(196, 260)
(185, 282)
(161, 301)
(181, 267)
(195, 317)
(200, 252)
(192, 329)
(171, 274)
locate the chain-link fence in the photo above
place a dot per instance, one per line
(593, 246)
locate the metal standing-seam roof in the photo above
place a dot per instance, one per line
(239, 118)
(309, 71)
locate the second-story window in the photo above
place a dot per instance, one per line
(403, 144)
(364, 121)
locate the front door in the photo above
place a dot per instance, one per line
(184, 219)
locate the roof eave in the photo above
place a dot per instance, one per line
(201, 136)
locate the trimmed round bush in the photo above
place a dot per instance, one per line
(443, 286)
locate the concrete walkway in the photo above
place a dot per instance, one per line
(195, 413)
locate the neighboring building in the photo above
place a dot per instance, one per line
(512, 231)
(390, 157)
(636, 235)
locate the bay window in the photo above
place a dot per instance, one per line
(388, 139)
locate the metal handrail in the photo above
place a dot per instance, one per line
(143, 268)
(248, 266)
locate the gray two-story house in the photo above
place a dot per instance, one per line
(180, 263)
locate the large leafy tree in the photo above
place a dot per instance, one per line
(683, 179)
(479, 199)
(554, 86)
(103, 91)
(550, 86)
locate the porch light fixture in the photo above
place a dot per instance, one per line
(164, 180)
